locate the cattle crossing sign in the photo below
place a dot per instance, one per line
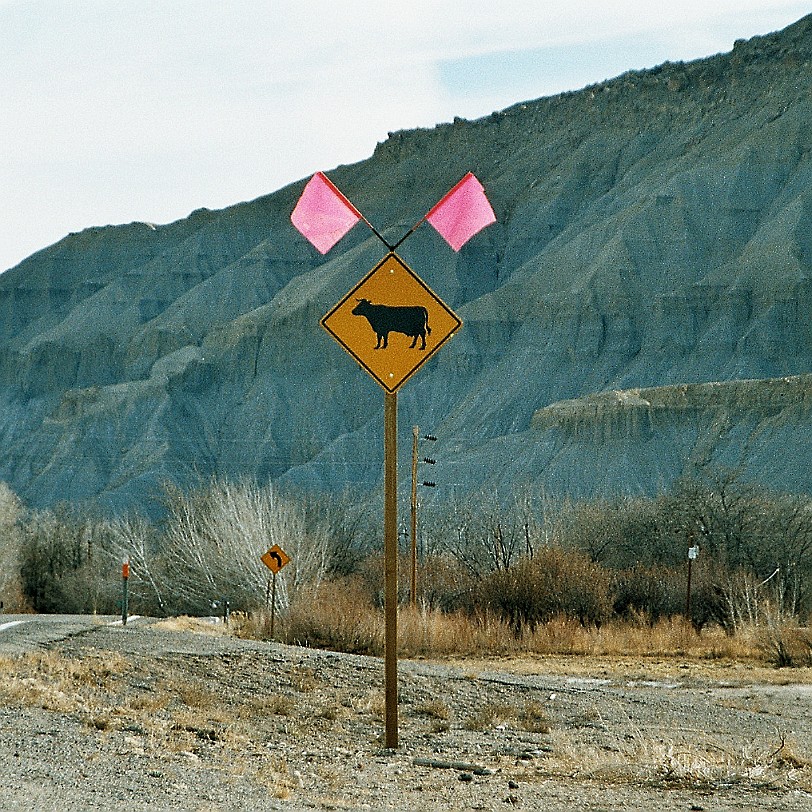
(391, 322)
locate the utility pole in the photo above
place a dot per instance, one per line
(413, 590)
(415, 443)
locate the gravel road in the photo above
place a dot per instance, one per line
(156, 717)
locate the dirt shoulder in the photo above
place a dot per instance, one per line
(155, 717)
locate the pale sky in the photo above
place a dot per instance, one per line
(119, 110)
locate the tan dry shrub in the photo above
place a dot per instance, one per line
(373, 701)
(784, 644)
(150, 703)
(489, 715)
(534, 718)
(433, 633)
(304, 679)
(436, 709)
(195, 695)
(554, 582)
(278, 705)
(336, 616)
(328, 712)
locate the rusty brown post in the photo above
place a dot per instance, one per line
(390, 536)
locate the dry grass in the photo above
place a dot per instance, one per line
(198, 625)
(170, 712)
(340, 618)
(638, 758)
(669, 637)
(52, 682)
(431, 633)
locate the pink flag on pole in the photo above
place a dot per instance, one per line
(463, 212)
(323, 215)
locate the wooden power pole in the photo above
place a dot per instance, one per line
(413, 591)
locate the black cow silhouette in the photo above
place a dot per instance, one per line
(412, 321)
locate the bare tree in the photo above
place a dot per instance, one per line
(134, 539)
(11, 513)
(487, 532)
(214, 538)
(351, 521)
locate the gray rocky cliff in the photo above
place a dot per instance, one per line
(654, 235)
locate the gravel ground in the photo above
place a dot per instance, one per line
(151, 717)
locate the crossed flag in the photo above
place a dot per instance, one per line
(323, 215)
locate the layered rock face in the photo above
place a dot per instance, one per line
(654, 235)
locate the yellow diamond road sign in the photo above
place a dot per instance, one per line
(275, 558)
(391, 322)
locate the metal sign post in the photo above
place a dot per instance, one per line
(273, 604)
(390, 544)
(391, 322)
(693, 551)
(125, 577)
(274, 559)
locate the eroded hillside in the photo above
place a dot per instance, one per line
(653, 231)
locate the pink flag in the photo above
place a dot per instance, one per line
(323, 215)
(463, 212)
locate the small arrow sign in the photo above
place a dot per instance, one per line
(275, 558)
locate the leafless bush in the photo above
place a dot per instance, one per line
(654, 591)
(136, 540)
(11, 513)
(785, 644)
(64, 562)
(213, 540)
(750, 601)
(738, 526)
(351, 521)
(487, 532)
(554, 582)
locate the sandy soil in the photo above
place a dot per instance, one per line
(151, 717)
